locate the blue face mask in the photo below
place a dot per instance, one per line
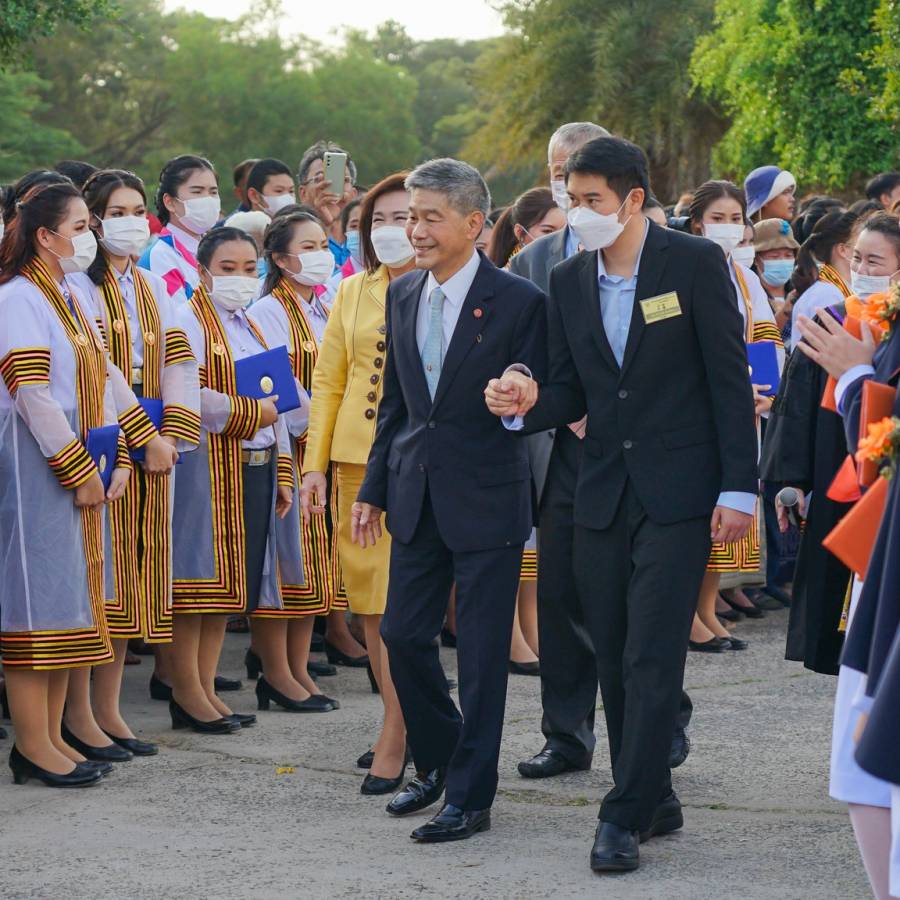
(353, 244)
(777, 272)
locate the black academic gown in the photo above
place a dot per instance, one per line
(804, 447)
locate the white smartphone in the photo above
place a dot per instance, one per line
(335, 171)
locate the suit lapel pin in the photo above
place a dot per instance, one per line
(478, 338)
(477, 312)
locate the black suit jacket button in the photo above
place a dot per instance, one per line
(627, 444)
(421, 467)
(623, 395)
(432, 425)
(370, 413)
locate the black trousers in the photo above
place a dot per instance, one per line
(639, 582)
(422, 573)
(258, 484)
(568, 665)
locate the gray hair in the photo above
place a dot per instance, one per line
(573, 136)
(463, 185)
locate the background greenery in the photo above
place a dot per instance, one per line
(705, 86)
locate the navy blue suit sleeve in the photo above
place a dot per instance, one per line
(561, 399)
(392, 414)
(852, 405)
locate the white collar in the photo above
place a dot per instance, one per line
(189, 241)
(457, 286)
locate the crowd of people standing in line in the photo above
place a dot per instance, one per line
(399, 305)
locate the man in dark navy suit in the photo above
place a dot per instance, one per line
(456, 486)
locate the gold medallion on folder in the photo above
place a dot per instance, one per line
(266, 384)
(101, 464)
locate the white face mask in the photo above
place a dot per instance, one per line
(595, 231)
(234, 292)
(744, 255)
(725, 235)
(391, 245)
(560, 196)
(125, 236)
(276, 202)
(316, 268)
(201, 213)
(84, 250)
(866, 285)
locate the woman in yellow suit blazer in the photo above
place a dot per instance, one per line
(346, 390)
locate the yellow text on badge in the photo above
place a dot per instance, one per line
(665, 306)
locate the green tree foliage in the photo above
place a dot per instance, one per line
(23, 143)
(807, 85)
(621, 63)
(21, 21)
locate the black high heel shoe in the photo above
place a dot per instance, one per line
(751, 612)
(109, 754)
(82, 775)
(183, 719)
(338, 658)
(253, 663)
(134, 745)
(159, 690)
(372, 682)
(245, 720)
(266, 694)
(374, 785)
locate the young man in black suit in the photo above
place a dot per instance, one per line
(645, 337)
(457, 490)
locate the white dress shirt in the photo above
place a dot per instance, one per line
(456, 289)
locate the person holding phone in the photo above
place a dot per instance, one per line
(57, 386)
(229, 491)
(327, 178)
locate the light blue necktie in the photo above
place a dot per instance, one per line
(432, 352)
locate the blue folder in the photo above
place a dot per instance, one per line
(763, 361)
(154, 410)
(267, 374)
(102, 447)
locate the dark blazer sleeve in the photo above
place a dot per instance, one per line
(717, 324)
(852, 406)
(529, 341)
(391, 417)
(561, 399)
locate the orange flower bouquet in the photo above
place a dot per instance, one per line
(881, 445)
(880, 309)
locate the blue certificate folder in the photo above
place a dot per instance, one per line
(763, 360)
(154, 410)
(102, 446)
(266, 374)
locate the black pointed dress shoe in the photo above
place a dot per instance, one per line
(134, 745)
(159, 690)
(680, 748)
(667, 817)
(83, 775)
(615, 849)
(548, 763)
(422, 791)
(453, 824)
(339, 658)
(525, 668)
(222, 683)
(109, 754)
(713, 645)
(323, 669)
(374, 785)
(266, 695)
(183, 719)
(245, 720)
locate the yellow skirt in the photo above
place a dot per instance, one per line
(744, 556)
(366, 570)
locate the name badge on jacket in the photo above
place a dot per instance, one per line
(664, 306)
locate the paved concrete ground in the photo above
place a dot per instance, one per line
(210, 818)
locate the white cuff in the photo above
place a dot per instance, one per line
(513, 423)
(738, 500)
(518, 367)
(862, 370)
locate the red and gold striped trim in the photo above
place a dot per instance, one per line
(767, 331)
(178, 347)
(137, 426)
(25, 366)
(181, 422)
(73, 465)
(285, 476)
(123, 457)
(243, 422)
(832, 276)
